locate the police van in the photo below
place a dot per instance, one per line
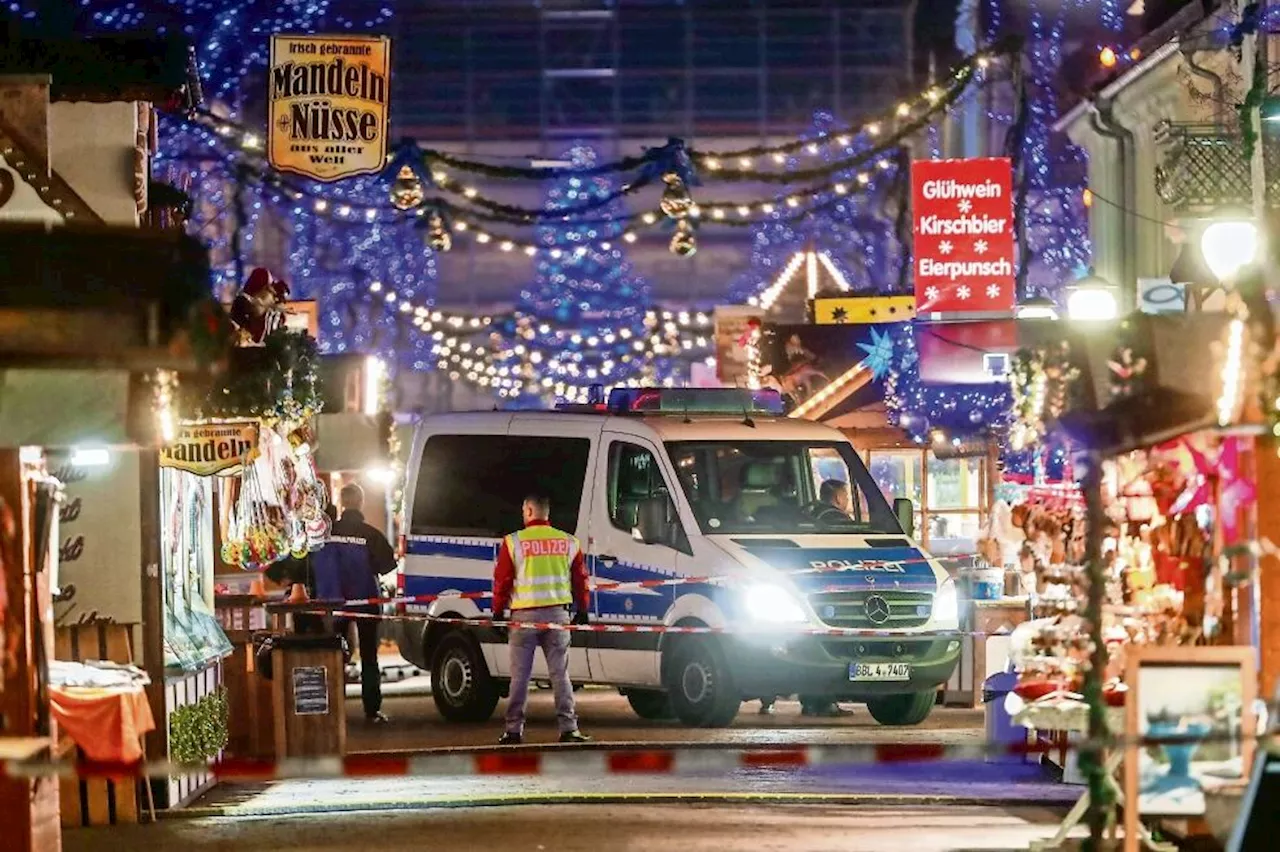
(713, 488)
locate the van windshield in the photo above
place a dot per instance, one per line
(780, 488)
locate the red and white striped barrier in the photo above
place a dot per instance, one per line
(576, 761)
(769, 630)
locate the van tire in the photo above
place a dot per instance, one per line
(650, 704)
(911, 708)
(699, 684)
(461, 686)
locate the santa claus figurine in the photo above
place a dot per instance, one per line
(259, 308)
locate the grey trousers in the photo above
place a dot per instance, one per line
(523, 644)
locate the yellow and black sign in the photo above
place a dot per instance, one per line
(328, 99)
(212, 448)
(863, 310)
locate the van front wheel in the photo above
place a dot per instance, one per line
(909, 709)
(461, 686)
(650, 704)
(699, 684)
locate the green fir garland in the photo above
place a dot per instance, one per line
(197, 732)
(275, 381)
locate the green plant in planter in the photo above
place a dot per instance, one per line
(197, 732)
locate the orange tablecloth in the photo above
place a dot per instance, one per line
(107, 724)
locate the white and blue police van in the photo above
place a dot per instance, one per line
(714, 486)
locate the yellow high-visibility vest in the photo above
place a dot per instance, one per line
(542, 555)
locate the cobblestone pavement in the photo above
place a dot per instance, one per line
(601, 828)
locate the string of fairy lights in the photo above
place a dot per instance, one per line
(427, 187)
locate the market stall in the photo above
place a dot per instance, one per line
(1141, 561)
(150, 289)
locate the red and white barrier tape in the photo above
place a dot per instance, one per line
(573, 761)
(609, 586)
(770, 630)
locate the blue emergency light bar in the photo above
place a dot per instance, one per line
(736, 401)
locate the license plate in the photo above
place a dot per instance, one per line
(879, 671)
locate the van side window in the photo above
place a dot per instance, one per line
(473, 485)
(635, 477)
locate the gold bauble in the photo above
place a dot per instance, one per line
(438, 237)
(684, 242)
(406, 189)
(676, 201)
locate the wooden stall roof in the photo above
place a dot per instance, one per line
(96, 296)
(102, 69)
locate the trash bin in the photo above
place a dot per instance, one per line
(1001, 730)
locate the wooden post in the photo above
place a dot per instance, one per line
(150, 574)
(310, 696)
(1267, 465)
(29, 812)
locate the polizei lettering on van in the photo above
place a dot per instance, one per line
(857, 565)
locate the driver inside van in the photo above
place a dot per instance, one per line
(836, 493)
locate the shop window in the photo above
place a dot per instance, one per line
(473, 485)
(949, 495)
(955, 483)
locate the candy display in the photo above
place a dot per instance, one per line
(280, 508)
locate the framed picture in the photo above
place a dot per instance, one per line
(303, 316)
(1205, 693)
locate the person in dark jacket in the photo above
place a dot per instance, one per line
(348, 568)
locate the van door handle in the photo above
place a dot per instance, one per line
(606, 558)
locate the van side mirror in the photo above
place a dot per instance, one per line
(652, 526)
(905, 511)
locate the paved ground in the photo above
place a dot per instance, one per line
(416, 726)
(601, 828)
(605, 715)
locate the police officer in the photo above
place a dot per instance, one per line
(348, 567)
(540, 572)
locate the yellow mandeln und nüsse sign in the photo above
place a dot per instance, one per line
(210, 448)
(328, 98)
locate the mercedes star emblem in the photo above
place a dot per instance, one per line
(877, 609)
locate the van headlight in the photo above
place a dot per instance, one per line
(946, 605)
(772, 604)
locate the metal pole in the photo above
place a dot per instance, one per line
(1253, 53)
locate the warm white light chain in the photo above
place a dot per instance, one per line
(811, 273)
(166, 384)
(840, 382)
(834, 271)
(1229, 399)
(752, 348)
(769, 296)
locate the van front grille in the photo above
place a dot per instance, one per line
(857, 610)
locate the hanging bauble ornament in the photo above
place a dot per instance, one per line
(676, 201)
(406, 189)
(684, 242)
(438, 236)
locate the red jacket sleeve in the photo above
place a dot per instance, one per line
(581, 585)
(504, 576)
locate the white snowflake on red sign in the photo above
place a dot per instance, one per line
(962, 221)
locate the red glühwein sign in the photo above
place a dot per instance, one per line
(962, 213)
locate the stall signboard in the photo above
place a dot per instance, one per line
(327, 102)
(799, 361)
(303, 316)
(962, 214)
(210, 449)
(310, 691)
(733, 329)
(860, 310)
